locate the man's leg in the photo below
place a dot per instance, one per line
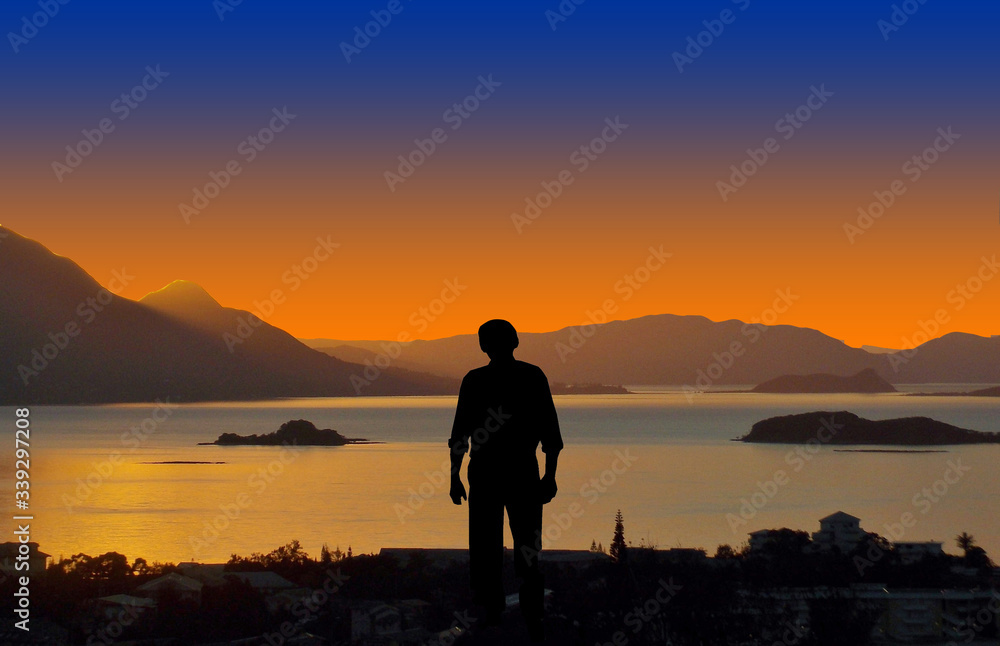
(486, 543)
(525, 512)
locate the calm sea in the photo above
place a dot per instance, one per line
(666, 462)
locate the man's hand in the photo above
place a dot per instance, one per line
(547, 489)
(457, 491)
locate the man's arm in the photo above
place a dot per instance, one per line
(551, 439)
(458, 443)
(551, 461)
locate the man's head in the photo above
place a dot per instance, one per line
(497, 338)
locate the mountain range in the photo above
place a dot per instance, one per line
(696, 352)
(66, 339)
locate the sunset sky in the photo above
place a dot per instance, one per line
(879, 96)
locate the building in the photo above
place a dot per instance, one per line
(266, 583)
(839, 530)
(172, 586)
(208, 573)
(117, 606)
(911, 552)
(431, 556)
(379, 622)
(444, 558)
(37, 560)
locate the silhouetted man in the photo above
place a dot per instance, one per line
(504, 411)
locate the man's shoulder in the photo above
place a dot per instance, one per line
(529, 369)
(476, 373)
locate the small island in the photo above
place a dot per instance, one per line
(299, 432)
(843, 427)
(866, 381)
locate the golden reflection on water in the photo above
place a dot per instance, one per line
(395, 495)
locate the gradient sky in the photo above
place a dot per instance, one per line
(655, 185)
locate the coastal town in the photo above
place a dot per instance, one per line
(838, 584)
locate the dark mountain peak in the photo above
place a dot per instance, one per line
(181, 297)
(28, 269)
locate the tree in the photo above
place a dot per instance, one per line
(965, 542)
(618, 548)
(725, 551)
(593, 545)
(976, 557)
(140, 567)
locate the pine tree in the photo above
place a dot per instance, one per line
(593, 545)
(618, 548)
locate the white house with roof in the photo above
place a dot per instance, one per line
(9, 553)
(838, 530)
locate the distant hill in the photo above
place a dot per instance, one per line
(847, 428)
(659, 349)
(866, 381)
(695, 351)
(64, 339)
(953, 358)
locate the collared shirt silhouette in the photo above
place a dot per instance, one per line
(504, 412)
